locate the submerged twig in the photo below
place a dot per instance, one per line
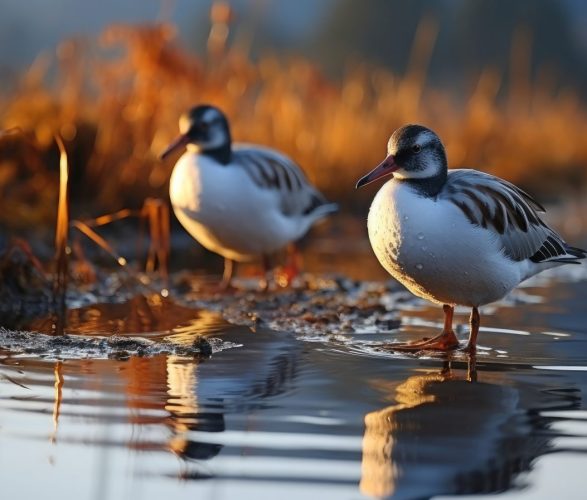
(101, 242)
(107, 219)
(155, 213)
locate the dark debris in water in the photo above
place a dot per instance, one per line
(115, 347)
(119, 316)
(317, 306)
(106, 321)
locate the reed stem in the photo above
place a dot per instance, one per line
(61, 240)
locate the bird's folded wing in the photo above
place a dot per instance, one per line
(273, 171)
(508, 211)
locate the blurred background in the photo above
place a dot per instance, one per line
(503, 83)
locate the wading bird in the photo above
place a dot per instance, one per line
(455, 236)
(241, 201)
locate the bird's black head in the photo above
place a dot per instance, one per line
(205, 130)
(414, 153)
(417, 151)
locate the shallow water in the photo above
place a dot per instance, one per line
(278, 414)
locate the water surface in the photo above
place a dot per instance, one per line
(278, 414)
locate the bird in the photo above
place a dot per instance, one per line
(241, 201)
(455, 236)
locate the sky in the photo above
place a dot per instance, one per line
(30, 27)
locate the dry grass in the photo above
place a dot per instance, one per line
(116, 102)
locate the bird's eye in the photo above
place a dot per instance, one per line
(204, 126)
(416, 148)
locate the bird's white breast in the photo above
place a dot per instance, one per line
(222, 208)
(430, 247)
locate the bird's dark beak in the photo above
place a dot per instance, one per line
(178, 142)
(386, 167)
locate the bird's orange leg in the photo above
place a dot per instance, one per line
(292, 268)
(226, 283)
(446, 341)
(267, 267)
(472, 367)
(474, 321)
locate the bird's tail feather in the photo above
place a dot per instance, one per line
(573, 256)
(324, 210)
(577, 253)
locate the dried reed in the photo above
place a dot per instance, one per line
(116, 101)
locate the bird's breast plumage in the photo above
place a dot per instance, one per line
(431, 248)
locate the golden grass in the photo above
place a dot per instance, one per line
(116, 102)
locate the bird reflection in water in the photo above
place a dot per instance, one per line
(195, 393)
(185, 414)
(168, 384)
(446, 435)
(185, 394)
(200, 393)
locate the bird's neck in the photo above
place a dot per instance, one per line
(222, 154)
(428, 186)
